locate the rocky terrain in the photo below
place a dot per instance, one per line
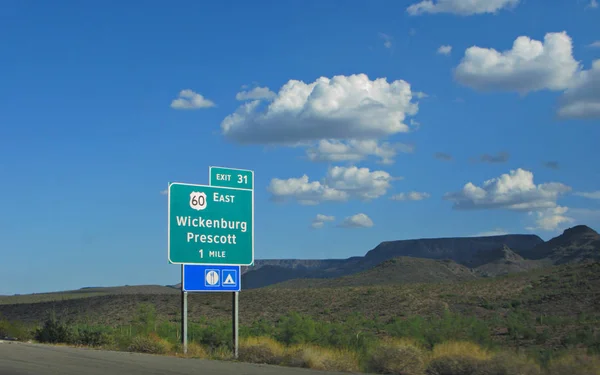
(485, 256)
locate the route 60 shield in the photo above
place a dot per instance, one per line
(197, 200)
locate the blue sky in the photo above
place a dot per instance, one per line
(91, 133)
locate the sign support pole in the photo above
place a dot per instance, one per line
(235, 321)
(183, 315)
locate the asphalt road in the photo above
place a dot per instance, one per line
(30, 359)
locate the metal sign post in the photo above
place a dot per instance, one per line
(183, 315)
(235, 322)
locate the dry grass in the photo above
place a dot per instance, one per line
(151, 344)
(194, 350)
(261, 350)
(221, 353)
(400, 356)
(460, 349)
(318, 358)
(512, 364)
(575, 364)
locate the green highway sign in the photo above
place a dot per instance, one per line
(229, 177)
(210, 224)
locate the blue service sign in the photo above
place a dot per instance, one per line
(211, 278)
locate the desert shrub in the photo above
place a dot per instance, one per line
(318, 358)
(216, 334)
(510, 364)
(296, 329)
(151, 344)
(458, 358)
(145, 320)
(15, 330)
(434, 330)
(260, 350)
(575, 364)
(402, 357)
(194, 350)
(455, 365)
(55, 331)
(93, 337)
(221, 353)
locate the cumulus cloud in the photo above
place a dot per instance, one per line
(356, 150)
(595, 44)
(582, 99)
(589, 195)
(339, 185)
(320, 220)
(444, 50)
(410, 196)
(552, 164)
(460, 7)
(501, 157)
(357, 221)
(442, 156)
(340, 108)
(530, 65)
(515, 191)
(257, 93)
(189, 99)
(551, 218)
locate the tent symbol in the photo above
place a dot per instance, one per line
(229, 276)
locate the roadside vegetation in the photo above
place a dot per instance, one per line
(449, 344)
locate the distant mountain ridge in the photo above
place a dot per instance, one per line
(486, 256)
(398, 270)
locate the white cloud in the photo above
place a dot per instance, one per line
(444, 50)
(513, 191)
(387, 40)
(582, 99)
(410, 196)
(530, 65)
(593, 4)
(420, 95)
(595, 44)
(164, 192)
(304, 191)
(257, 93)
(356, 150)
(551, 218)
(493, 232)
(339, 185)
(589, 195)
(341, 108)
(188, 99)
(320, 220)
(460, 7)
(357, 221)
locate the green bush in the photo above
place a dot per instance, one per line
(94, 337)
(55, 331)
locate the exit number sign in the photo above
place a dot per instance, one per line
(232, 178)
